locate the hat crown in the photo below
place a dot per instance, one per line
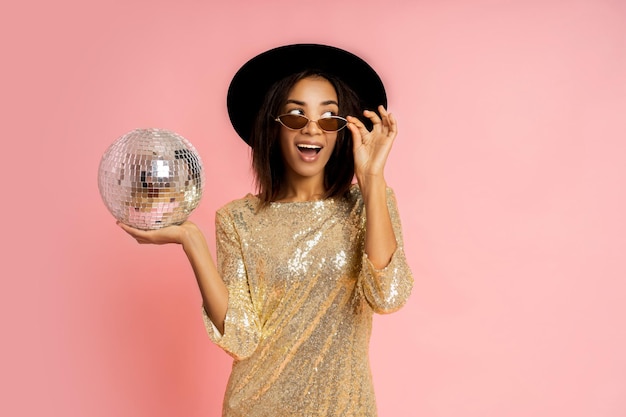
(251, 83)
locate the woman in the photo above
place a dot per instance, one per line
(305, 263)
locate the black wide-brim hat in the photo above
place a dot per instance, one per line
(253, 80)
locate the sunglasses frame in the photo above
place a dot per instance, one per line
(277, 119)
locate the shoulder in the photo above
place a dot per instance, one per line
(354, 194)
(354, 200)
(241, 206)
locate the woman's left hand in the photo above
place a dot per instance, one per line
(371, 148)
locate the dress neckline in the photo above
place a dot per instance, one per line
(315, 203)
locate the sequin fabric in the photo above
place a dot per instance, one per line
(302, 294)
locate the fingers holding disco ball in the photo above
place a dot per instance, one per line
(151, 178)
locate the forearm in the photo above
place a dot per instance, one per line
(212, 287)
(380, 239)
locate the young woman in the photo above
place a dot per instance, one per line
(305, 263)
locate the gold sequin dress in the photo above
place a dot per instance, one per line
(301, 298)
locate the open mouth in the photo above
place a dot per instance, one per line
(307, 149)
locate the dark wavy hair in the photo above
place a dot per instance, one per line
(267, 160)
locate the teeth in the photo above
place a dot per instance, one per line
(304, 145)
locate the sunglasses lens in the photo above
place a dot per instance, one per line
(298, 121)
(293, 121)
(331, 124)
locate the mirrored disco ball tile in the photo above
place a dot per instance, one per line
(151, 178)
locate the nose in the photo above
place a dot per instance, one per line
(312, 128)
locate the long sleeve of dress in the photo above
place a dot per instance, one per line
(387, 289)
(241, 326)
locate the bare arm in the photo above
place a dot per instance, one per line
(213, 290)
(371, 149)
(380, 239)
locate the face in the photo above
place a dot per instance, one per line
(306, 151)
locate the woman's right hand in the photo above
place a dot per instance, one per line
(169, 234)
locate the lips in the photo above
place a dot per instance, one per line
(308, 149)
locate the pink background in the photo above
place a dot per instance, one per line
(509, 170)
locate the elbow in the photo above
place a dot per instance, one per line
(244, 349)
(388, 306)
(240, 338)
(392, 298)
(388, 309)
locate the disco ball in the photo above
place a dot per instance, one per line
(151, 178)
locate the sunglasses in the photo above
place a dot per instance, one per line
(299, 121)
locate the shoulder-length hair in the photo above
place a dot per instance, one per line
(267, 160)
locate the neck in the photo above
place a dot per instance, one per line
(302, 189)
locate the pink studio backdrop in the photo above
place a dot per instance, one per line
(509, 170)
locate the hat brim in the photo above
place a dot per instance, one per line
(250, 84)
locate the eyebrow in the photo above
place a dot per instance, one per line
(302, 103)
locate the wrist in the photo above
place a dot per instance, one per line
(188, 235)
